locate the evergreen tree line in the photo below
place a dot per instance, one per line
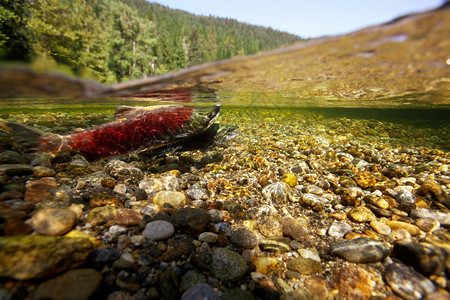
(117, 40)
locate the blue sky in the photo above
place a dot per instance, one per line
(306, 18)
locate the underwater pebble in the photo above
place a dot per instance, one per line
(168, 182)
(412, 229)
(123, 171)
(137, 240)
(43, 172)
(172, 198)
(117, 229)
(425, 258)
(399, 235)
(380, 227)
(227, 265)
(408, 283)
(314, 202)
(208, 237)
(307, 264)
(74, 284)
(29, 257)
(200, 291)
(352, 282)
(158, 230)
(140, 194)
(101, 215)
(361, 214)
(38, 190)
(216, 215)
(120, 188)
(270, 227)
(52, 221)
(360, 250)
(244, 238)
(442, 217)
(405, 196)
(427, 224)
(290, 179)
(338, 229)
(196, 192)
(432, 190)
(191, 220)
(312, 189)
(365, 180)
(276, 192)
(293, 229)
(266, 265)
(191, 278)
(128, 217)
(275, 244)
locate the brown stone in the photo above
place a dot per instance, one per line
(108, 182)
(104, 198)
(352, 283)
(74, 284)
(38, 190)
(365, 179)
(293, 228)
(176, 249)
(16, 226)
(128, 217)
(412, 229)
(361, 214)
(52, 221)
(191, 220)
(317, 286)
(43, 172)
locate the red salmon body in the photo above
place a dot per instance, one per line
(136, 129)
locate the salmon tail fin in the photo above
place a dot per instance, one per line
(34, 139)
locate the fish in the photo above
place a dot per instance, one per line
(215, 135)
(135, 129)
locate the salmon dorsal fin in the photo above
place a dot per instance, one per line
(125, 112)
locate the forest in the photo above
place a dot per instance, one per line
(117, 40)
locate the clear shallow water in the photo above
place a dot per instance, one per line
(392, 126)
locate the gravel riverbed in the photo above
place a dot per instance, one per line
(297, 206)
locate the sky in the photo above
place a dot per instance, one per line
(306, 18)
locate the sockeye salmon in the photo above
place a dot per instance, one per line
(135, 129)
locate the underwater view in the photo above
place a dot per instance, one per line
(317, 171)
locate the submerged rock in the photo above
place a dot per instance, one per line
(123, 171)
(41, 189)
(408, 283)
(307, 264)
(74, 284)
(191, 220)
(276, 192)
(244, 238)
(158, 230)
(172, 198)
(52, 221)
(293, 229)
(227, 265)
(360, 250)
(29, 257)
(200, 291)
(424, 258)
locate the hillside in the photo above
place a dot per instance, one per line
(112, 40)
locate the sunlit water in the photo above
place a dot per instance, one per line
(261, 116)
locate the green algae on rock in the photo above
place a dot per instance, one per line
(227, 265)
(29, 257)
